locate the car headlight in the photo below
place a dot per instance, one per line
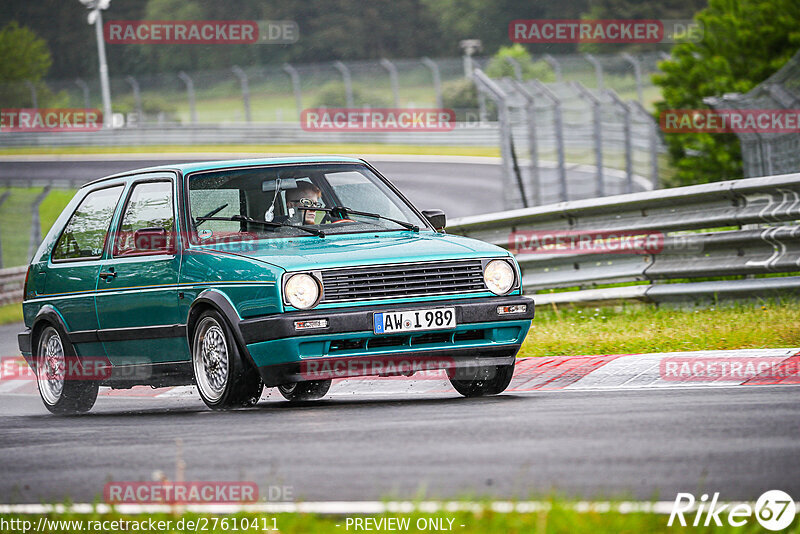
(301, 291)
(499, 276)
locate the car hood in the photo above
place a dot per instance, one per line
(347, 250)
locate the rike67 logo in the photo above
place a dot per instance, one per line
(774, 510)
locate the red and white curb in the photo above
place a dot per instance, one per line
(712, 368)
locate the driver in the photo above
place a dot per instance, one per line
(305, 195)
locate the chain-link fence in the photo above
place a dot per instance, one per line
(764, 152)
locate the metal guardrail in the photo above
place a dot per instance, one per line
(694, 224)
(11, 282)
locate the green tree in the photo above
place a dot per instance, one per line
(744, 42)
(25, 57)
(499, 67)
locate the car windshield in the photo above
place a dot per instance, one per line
(294, 200)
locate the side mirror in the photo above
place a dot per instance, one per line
(437, 218)
(150, 239)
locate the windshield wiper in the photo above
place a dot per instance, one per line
(211, 213)
(268, 224)
(344, 211)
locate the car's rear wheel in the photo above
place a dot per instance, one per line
(223, 378)
(60, 393)
(483, 380)
(304, 391)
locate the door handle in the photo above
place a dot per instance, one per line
(105, 275)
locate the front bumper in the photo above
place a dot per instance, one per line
(481, 337)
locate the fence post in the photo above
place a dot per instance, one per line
(3, 198)
(533, 147)
(626, 115)
(388, 65)
(242, 75)
(137, 98)
(485, 84)
(516, 66)
(598, 70)
(32, 88)
(190, 93)
(85, 88)
(348, 82)
(437, 79)
(600, 189)
(298, 94)
(637, 72)
(558, 125)
(36, 223)
(652, 137)
(555, 65)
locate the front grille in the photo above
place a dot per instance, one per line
(404, 280)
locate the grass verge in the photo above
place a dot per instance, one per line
(11, 313)
(639, 328)
(561, 517)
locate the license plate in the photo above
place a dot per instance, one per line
(414, 320)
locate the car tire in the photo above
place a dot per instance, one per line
(222, 376)
(305, 391)
(59, 395)
(484, 380)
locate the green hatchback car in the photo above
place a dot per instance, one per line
(287, 273)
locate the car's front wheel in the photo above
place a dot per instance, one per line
(223, 378)
(61, 392)
(483, 380)
(304, 391)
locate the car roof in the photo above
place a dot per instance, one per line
(194, 166)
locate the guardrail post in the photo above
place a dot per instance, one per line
(32, 88)
(190, 94)
(298, 94)
(3, 198)
(533, 147)
(85, 88)
(437, 79)
(36, 223)
(626, 116)
(598, 70)
(242, 75)
(348, 82)
(558, 125)
(652, 137)
(555, 65)
(637, 72)
(485, 84)
(600, 190)
(389, 66)
(516, 66)
(137, 98)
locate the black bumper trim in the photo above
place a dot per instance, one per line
(359, 319)
(457, 359)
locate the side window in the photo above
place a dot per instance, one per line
(148, 223)
(85, 234)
